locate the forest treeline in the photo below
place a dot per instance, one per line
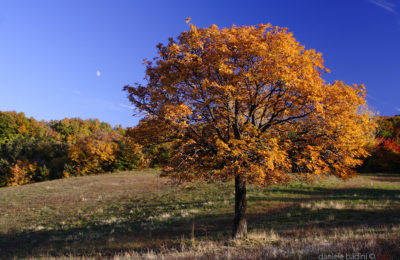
(32, 151)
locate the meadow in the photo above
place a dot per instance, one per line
(138, 215)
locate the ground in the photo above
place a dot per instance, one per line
(135, 215)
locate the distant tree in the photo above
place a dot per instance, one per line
(95, 153)
(22, 173)
(70, 129)
(13, 124)
(385, 127)
(129, 155)
(248, 104)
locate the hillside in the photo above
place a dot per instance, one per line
(138, 215)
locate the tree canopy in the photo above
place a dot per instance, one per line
(249, 103)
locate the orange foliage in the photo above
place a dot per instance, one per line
(250, 102)
(22, 173)
(93, 154)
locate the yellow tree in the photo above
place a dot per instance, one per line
(249, 104)
(94, 153)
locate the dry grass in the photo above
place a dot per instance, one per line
(312, 244)
(138, 215)
(61, 201)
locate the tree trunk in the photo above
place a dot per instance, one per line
(239, 222)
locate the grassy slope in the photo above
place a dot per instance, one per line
(141, 215)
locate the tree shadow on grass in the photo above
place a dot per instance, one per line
(332, 194)
(116, 238)
(383, 177)
(386, 178)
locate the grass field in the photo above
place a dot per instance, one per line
(137, 215)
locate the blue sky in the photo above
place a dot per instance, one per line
(71, 58)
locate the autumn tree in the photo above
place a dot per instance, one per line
(95, 153)
(249, 104)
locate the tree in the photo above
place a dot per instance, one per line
(249, 104)
(129, 155)
(95, 153)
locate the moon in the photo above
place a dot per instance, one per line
(98, 73)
